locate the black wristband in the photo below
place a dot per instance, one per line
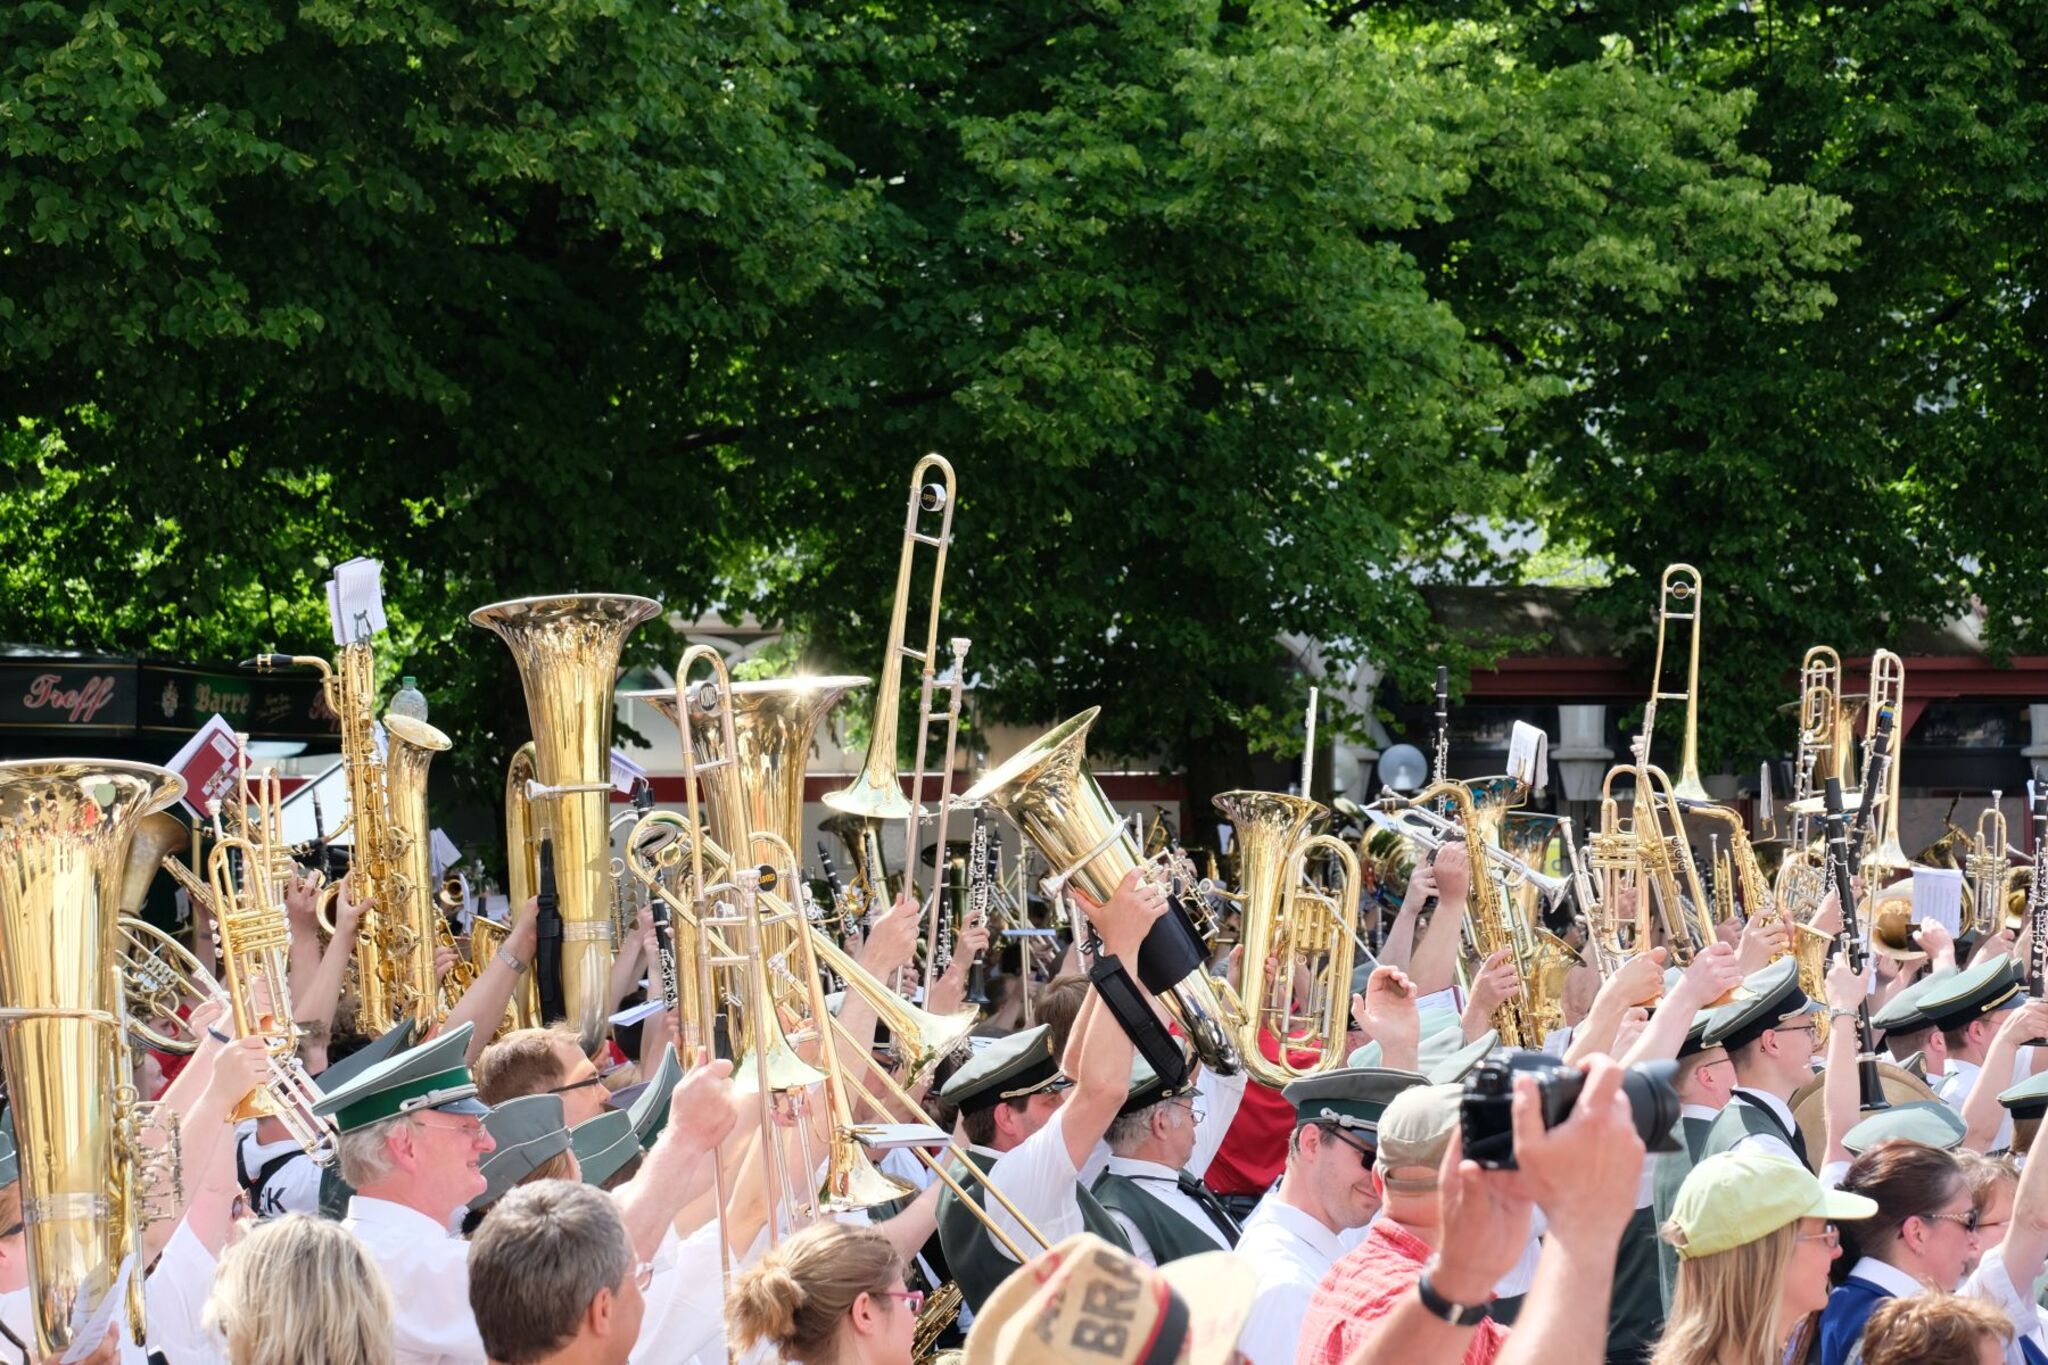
(1456, 1314)
(1133, 1012)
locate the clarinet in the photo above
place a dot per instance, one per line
(547, 949)
(2037, 894)
(984, 864)
(1440, 765)
(1869, 1085)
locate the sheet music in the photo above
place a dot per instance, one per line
(1529, 756)
(1938, 895)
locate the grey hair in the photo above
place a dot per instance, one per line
(540, 1257)
(365, 1153)
(1127, 1130)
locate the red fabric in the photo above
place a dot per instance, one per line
(1254, 1151)
(1363, 1287)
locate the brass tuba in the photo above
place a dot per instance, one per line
(567, 650)
(65, 830)
(1285, 925)
(1049, 794)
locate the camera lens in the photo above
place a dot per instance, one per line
(1653, 1100)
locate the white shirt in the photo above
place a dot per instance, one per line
(1768, 1142)
(18, 1312)
(1218, 1097)
(1289, 1251)
(1040, 1178)
(1991, 1281)
(1954, 1089)
(1887, 1277)
(1163, 1184)
(296, 1186)
(175, 1299)
(428, 1274)
(685, 1301)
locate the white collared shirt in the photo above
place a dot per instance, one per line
(1887, 1277)
(1163, 1184)
(175, 1296)
(428, 1275)
(18, 1312)
(1992, 1282)
(1290, 1252)
(1768, 1142)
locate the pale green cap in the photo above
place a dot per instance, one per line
(1736, 1198)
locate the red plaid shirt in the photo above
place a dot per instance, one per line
(1363, 1287)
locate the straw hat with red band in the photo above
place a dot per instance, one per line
(1086, 1300)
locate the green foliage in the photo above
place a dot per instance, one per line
(1240, 323)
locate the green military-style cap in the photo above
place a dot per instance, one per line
(1927, 1122)
(2028, 1099)
(1902, 1013)
(604, 1144)
(1696, 1034)
(10, 1156)
(649, 1109)
(1769, 998)
(1352, 1098)
(1147, 1089)
(528, 1130)
(1970, 994)
(1452, 1069)
(433, 1075)
(1010, 1068)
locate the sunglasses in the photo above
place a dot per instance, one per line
(1966, 1221)
(1366, 1154)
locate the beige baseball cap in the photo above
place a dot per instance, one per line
(1415, 1132)
(1086, 1300)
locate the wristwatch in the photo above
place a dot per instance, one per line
(506, 956)
(1456, 1314)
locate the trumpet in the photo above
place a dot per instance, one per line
(1990, 874)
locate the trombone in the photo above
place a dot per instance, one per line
(1681, 585)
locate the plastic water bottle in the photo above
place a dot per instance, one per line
(408, 700)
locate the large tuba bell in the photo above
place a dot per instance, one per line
(567, 649)
(66, 826)
(1286, 925)
(1048, 792)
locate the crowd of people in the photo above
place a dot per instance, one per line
(503, 1195)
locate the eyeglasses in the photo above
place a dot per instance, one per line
(1830, 1234)
(585, 1083)
(469, 1127)
(1365, 1153)
(913, 1298)
(1966, 1221)
(643, 1275)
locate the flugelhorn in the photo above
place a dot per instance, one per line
(567, 649)
(876, 793)
(65, 830)
(1048, 793)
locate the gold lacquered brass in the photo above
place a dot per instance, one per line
(66, 827)
(567, 649)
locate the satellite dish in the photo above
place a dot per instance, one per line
(1404, 768)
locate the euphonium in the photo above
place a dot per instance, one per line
(876, 794)
(412, 918)
(65, 830)
(567, 650)
(1049, 794)
(1284, 925)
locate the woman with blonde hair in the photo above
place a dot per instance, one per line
(300, 1291)
(1755, 1238)
(833, 1294)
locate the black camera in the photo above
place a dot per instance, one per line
(1486, 1116)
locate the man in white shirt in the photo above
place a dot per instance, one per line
(1969, 1008)
(1769, 1034)
(1324, 1200)
(412, 1140)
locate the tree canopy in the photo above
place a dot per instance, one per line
(1239, 323)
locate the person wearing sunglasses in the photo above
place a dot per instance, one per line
(1755, 1236)
(554, 1280)
(831, 1293)
(1922, 1237)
